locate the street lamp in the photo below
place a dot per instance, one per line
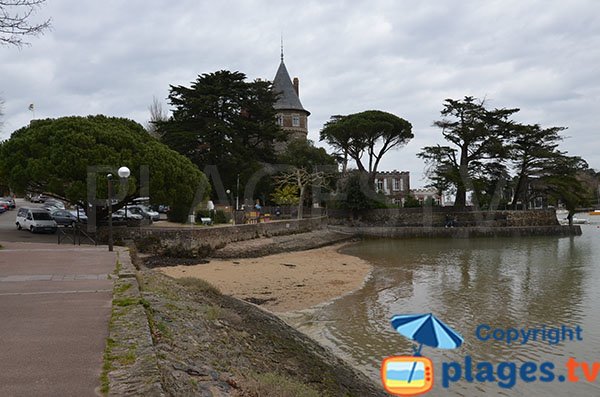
(123, 173)
(230, 200)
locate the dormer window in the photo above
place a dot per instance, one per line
(295, 120)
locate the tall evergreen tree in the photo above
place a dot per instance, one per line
(478, 135)
(222, 120)
(366, 137)
(531, 149)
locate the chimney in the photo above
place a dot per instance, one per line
(297, 86)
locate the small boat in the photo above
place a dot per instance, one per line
(576, 221)
(594, 212)
(579, 221)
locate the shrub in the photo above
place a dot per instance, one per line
(275, 385)
(199, 285)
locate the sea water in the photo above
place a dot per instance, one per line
(483, 284)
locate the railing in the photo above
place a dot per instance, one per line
(76, 234)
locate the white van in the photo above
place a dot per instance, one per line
(35, 220)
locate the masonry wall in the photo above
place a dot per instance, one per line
(438, 216)
(460, 232)
(203, 239)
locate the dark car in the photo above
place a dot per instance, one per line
(64, 217)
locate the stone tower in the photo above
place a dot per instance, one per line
(291, 115)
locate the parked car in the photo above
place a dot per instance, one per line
(80, 215)
(39, 198)
(54, 204)
(144, 211)
(5, 205)
(161, 208)
(2, 209)
(64, 217)
(130, 215)
(35, 220)
(10, 200)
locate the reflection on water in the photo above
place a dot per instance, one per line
(503, 282)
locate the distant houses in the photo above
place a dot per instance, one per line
(395, 185)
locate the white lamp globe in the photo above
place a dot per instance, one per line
(124, 172)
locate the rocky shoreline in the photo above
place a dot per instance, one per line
(285, 243)
(205, 343)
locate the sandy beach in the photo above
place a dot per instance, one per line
(283, 282)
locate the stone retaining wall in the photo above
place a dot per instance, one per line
(202, 240)
(460, 232)
(438, 216)
(130, 362)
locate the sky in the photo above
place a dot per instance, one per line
(403, 57)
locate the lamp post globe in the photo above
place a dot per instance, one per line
(124, 172)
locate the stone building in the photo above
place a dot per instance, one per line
(291, 115)
(427, 193)
(395, 185)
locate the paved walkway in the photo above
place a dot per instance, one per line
(55, 303)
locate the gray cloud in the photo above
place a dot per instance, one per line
(404, 57)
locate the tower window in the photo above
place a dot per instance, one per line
(279, 120)
(295, 120)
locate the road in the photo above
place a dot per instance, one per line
(55, 303)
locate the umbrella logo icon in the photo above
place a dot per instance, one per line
(413, 375)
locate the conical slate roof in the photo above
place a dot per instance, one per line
(282, 85)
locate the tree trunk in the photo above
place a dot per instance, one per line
(461, 189)
(518, 190)
(301, 203)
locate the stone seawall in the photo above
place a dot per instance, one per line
(459, 232)
(438, 216)
(202, 240)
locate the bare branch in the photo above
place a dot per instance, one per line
(157, 115)
(15, 21)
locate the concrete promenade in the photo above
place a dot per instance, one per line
(55, 304)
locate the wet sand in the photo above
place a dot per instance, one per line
(283, 282)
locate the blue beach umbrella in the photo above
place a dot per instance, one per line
(426, 329)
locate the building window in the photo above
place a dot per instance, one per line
(379, 185)
(295, 120)
(395, 184)
(279, 120)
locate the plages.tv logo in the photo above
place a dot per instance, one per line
(413, 375)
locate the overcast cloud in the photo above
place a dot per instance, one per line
(404, 57)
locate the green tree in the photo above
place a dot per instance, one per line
(559, 179)
(531, 148)
(309, 167)
(478, 136)
(355, 193)
(52, 156)
(16, 21)
(366, 137)
(410, 201)
(286, 195)
(223, 120)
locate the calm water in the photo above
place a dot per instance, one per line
(504, 282)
